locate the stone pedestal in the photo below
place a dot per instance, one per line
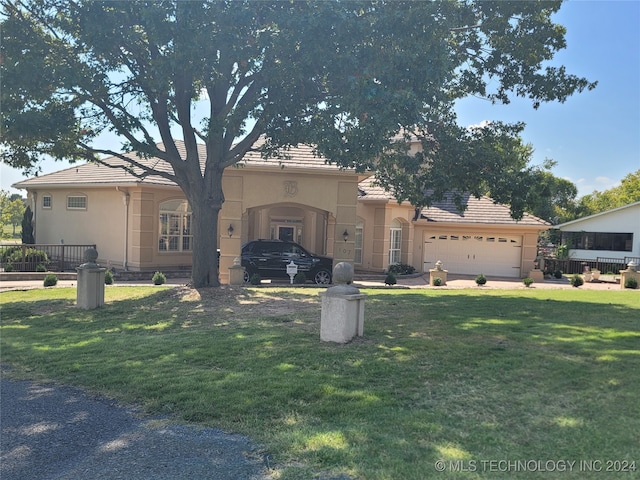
(435, 273)
(537, 275)
(627, 274)
(236, 273)
(342, 316)
(90, 292)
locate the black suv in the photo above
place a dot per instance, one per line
(269, 259)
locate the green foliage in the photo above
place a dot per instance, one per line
(41, 268)
(631, 282)
(8, 267)
(437, 282)
(27, 227)
(481, 279)
(401, 269)
(255, 279)
(159, 278)
(563, 251)
(32, 257)
(626, 193)
(558, 274)
(108, 278)
(390, 279)
(284, 72)
(576, 280)
(300, 278)
(528, 281)
(50, 280)
(11, 211)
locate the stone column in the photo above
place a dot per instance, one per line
(342, 316)
(90, 292)
(236, 272)
(437, 272)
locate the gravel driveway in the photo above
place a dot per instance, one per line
(57, 432)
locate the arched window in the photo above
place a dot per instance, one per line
(395, 242)
(175, 233)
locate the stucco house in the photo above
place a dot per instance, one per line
(145, 225)
(614, 234)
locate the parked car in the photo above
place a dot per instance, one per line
(269, 259)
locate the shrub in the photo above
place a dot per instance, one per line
(32, 257)
(557, 274)
(576, 280)
(108, 277)
(401, 269)
(631, 283)
(390, 279)
(159, 278)
(255, 279)
(437, 282)
(41, 268)
(481, 279)
(300, 278)
(8, 267)
(50, 280)
(527, 281)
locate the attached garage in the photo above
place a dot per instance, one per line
(474, 253)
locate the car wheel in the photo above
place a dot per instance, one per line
(323, 277)
(246, 276)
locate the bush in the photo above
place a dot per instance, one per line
(401, 269)
(32, 258)
(8, 267)
(108, 278)
(255, 279)
(41, 268)
(558, 274)
(481, 279)
(576, 280)
(50, 280)
(159, 278)
(300, 278)
(437, 282)
(631, 283)
(390, 279)
(527, 281)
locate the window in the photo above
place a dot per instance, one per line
(615, 242)
(358, 246)
(78, 202)
(46, 201)
(395, 243)
(176, 232)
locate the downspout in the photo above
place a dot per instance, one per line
(125, 201)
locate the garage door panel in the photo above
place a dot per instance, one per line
(472, 254)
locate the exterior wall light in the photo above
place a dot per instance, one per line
(345, 235)
(230, 230)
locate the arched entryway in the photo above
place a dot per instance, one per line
(302, 224)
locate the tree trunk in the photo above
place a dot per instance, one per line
(204, 272)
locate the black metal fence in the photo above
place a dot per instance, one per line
(577, 265)
(52, 257)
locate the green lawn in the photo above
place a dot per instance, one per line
(496, 384)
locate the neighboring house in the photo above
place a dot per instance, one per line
(614, 234)
(145, 225)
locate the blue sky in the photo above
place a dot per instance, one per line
(594, 136)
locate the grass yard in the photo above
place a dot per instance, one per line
(447, 384)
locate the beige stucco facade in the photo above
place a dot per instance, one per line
(329, 211)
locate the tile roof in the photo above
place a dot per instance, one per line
(479, 210)
(301, 157)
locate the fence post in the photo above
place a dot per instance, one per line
(61, 266)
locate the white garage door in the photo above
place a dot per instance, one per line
(474, 253)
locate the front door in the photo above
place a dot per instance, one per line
(286, 234)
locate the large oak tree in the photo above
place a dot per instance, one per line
(345, 76)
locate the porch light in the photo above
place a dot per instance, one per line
(230, 230)
(345, 235)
